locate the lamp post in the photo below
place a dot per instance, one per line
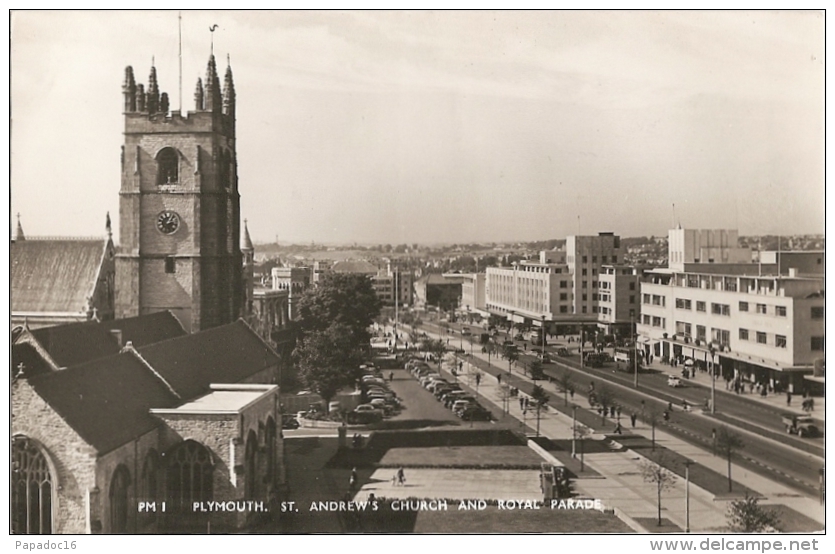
(574, 433)
(687, 464)
(712, 379)
(634, 348)
(543, 337)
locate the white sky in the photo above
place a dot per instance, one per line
(445, 126)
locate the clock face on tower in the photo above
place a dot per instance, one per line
(168, 222)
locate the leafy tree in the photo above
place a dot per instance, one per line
(328, 360)
(344, 298)
(437, 347)
(728, 442)
(606, 398)
(511, 354)
(490, 349)
(565, 385)
(541, 398)
(657, 474)
(745, 515)
(535, 368)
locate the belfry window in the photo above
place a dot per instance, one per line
(168, 166)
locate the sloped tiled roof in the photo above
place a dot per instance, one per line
(54, 275)
(33, 363)
(226, 354)
(106, 401)
(354, 266)
(147, 329)
(76, 343)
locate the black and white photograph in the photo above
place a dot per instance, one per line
(430, 272)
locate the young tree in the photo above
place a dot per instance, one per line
(745, 515)
(511, 354)
(436, 347)
(657, 474)
(565, 383)
(652, 415)
(541, 398)
(490, 349)
(535, 369)
(728, 442)
(606, 398)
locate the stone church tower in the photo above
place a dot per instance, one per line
(179, 205)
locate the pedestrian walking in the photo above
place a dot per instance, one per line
(352, 482)
(666, 415)
(521, 403)
(633, 418)
(618, 429)
(499, 378)
(571, 393)
(401, 477)
(391, 376)
(788, 398)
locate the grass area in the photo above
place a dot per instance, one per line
(651, 525)
(713, 482)
(792, 521)
(493, 520)
(508, 457)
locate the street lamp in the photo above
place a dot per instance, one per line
(634, 348)
(574, 434)
(687, 464)
(712, 379)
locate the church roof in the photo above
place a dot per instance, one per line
(54, 275)
(226, 354)
(354, 266)
(76, 343)
(106, 401)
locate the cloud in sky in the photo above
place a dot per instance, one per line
(445, 126)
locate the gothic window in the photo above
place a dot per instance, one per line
(119, 500)
(189, 475)
(148, 483)
(168, 166)
(31, 489)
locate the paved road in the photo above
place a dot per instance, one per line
(764, 455)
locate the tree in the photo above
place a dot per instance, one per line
(728, 442)
(511, 354)
(436, 347)
(606, 398)
(489, 349)
(541, 398)
(344, 298)
(565, 384)
(657, 474)
(328, 360)
(535, 368)
(745, 515)
(652, 416)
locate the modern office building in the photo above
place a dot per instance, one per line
(618, 296)
(585, 257)
(759, 322)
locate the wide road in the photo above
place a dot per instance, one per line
(768, 451)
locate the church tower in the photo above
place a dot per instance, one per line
(179, 207)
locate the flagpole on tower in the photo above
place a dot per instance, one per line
(180, 49)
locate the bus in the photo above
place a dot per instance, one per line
(624, 356)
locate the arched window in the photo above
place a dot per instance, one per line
(189, 475)
(31, 489)
(269, 441)
(251, 464)
(148, 484)
(119, 500)
(168, 166)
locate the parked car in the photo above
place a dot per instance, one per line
(461, 404)
(476, 413)
(289, 422)
(562, 351)
(673, 381)
(437, 383)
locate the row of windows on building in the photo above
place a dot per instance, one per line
(603, 259)
(817, 312)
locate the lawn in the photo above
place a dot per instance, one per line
(493, 520)
(508, 457)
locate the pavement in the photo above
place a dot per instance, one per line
(622, 485)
